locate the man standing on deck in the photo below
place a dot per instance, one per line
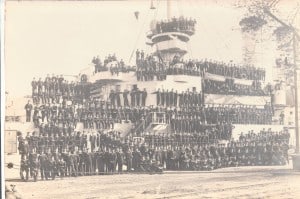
(28, 108)
(138, 92)
(158, 97)
(119, 161)
(137, 55)
(132, 95)
(125, 97)
(144, 97)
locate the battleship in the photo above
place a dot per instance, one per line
(163, 113)
(166, 75)
(199, 126)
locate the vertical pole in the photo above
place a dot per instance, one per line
(296, 80)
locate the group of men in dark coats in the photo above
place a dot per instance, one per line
(175, 24)
(55, 89)
(110, 154)
(229, 87)
(137, 98)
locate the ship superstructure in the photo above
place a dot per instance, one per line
(164, 75)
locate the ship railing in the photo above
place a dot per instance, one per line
(143, 124)
(151, 118)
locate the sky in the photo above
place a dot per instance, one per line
(61, 37)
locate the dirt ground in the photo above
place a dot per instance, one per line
(243, 182)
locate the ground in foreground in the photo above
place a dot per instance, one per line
(243, 182)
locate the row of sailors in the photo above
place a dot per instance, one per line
(172, 98)
(83, 163)
(264, 148)
(115, 67)
(52, 86)
(265, 135)
(133, 98)
(104, 118)
(42, 94)
(151, 75)
(240, 72)
(207, 134)
(110, 58)
(67, 142)
(137, 97)
(160, 74)
(77, 141)
(204, 116)
(49, 84)
(61, 141)
(191, 156)
(148, 68)
(207, 115)
(174, 25)
(111, 139)
(229, 87)
(164, 98)
(220, 131)
(150, 65)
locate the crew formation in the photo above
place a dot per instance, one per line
(185, 111)
(147, 64)
(229, 87)
(175, 25)
(195, 135)
(149, 69)
(115, 67)
(58, 150)
(61, 120)
(191, 153)
(108, 153)
(56, 89)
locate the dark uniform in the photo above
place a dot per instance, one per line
(24, 168)
(28, 108)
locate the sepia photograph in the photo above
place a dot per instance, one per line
(153, 99)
